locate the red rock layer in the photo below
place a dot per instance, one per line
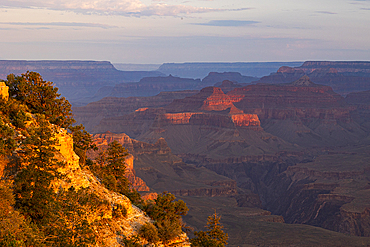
(208, 99)
(207, 119)
(245, 120)
(217, 101)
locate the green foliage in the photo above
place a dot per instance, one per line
(71, 227)
(14, 113)
(167, 214)
(213, 237)
(82, 141)
(149, 232)
(7, 142)
(14, 229)
(131, 242)
(110, 168)
(135, 197)
(119, 211)
(40, 97)
(34, 195)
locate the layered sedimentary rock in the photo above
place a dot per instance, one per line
(208, 99)
(91, 114)
(164, 171)
(349, 67)
(300, 112)
(343, 77)
(227, 86)
(206, 119)
(150, 86)
(325, 189)
(300, 93)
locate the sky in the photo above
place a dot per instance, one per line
(159, 31)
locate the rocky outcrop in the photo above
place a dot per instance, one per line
(155, 163)
(200, 118)
(114, 228)
(208, 99)
(91, 114)
(227, 86)
(343, 77)
(300, 93)
(4, 90)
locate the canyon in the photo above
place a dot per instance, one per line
(294, 152)
(283, 159)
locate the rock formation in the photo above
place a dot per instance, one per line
(164, 171)
(343, 77)
(200, 70)
(227, 86)
(91, 114)
(215, 78)
(150, 86)
(4, 90)
(279, 145)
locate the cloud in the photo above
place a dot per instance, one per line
(59, 24)
(228, 23)
(326, 12)
(112, 7)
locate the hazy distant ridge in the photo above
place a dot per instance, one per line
(201, 70)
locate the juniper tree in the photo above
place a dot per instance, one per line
(35, 196)
(82, 142)
(41, 97)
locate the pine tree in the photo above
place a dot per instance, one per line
(110, 167)
(167, 215)
(213, 237)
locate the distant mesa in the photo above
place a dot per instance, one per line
(343, 77)
(201, 70)
(215, 78)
